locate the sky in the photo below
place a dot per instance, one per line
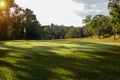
(64, 12)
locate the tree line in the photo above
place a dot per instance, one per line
(17, 23)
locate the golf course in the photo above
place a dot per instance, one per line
(67, 59)
(60, 40)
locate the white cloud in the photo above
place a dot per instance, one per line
(60, 11)
(90, 1)
(92, 7)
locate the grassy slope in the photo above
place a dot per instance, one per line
(77, 59)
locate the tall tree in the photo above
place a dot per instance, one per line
(15, 22)
(114, 8)
(87, 20)
(32, 26)
(5, 18)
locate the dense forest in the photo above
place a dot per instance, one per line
(17, 23)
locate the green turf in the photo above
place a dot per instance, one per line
(59, 60)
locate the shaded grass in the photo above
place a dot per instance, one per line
(59, 60)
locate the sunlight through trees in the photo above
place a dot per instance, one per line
(3, 4)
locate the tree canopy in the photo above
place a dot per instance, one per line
(19, 23)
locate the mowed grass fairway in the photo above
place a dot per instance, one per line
(77, 59)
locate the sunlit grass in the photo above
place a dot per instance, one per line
(73, 59)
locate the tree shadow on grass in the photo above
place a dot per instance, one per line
(96, 61)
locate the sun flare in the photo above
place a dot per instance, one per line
(2, 4)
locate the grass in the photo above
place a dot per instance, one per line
(73, 59)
